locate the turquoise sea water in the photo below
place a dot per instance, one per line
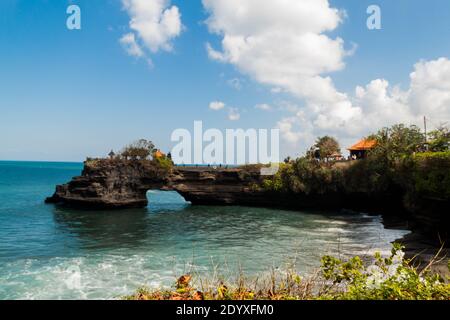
(49, 252)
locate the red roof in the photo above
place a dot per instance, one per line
(364, 144)
(159, 154)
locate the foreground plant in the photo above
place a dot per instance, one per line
(391, 278)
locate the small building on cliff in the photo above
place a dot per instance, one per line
(360, 149)
(158, 154)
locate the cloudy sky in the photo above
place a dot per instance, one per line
(142, 68)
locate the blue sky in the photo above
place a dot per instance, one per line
(67, 94)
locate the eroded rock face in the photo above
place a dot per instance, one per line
(118, 184)
(111, 184)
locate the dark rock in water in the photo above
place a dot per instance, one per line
(427, 251)
(118, 184)
(111, 184)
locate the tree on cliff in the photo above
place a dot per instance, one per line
(397, 141)
(140, 149)
(439, 139)
(326, 146)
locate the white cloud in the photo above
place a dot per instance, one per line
(381, 105)
(289, 106)
(154, 25)
(216, 105)
(430, 88)
(263, 106)
(428, 95)
(276, 90)
(279, 43)
(233, 114)
(297, 129)
(377, 105)
(130, 45)
(286, 127)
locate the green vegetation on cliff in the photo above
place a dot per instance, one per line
(142, 152)
(399, 165)
(430, 174)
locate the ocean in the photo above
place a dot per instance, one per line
(51, 252)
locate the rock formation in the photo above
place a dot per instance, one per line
(110, 184)
(118, 184)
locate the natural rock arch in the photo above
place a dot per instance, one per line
(119, 184)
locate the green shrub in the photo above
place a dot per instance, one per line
(274, 184)
(316, 178)
(305, 176)
(391, 278)
(372, 175)
(426, 175)
(164, 163)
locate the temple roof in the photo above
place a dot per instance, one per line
(364, 144)
(159, 154)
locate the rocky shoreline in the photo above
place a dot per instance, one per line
(420, 245)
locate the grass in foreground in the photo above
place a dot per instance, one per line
(392, 278)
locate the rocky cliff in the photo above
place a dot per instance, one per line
(118, 184)
(111, 184)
